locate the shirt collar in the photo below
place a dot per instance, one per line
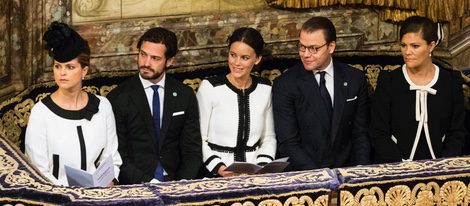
(146, 83)
(329, 69)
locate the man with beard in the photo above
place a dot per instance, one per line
(157, 117)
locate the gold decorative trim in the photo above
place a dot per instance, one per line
(320, 199)
(454, 193)
(426, 194)
(450, 193)
(294, 201)
(23, 201)
(398, 195)
(372, 196)
(402, 172)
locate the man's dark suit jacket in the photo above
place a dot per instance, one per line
(180, 140)
(299, 115)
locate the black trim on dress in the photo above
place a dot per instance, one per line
(55, 165)
(87, 112)
(97, 161)
(209, 160)
(82, 148)
(225, 149)
(266, 156)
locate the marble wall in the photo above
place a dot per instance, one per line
(98, 10)
(202, 37)
(112, 28)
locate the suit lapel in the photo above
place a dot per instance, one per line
(141, 103)
(169, 101)
(341, 89)
(309, 86)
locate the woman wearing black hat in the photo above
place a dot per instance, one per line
(70, 127)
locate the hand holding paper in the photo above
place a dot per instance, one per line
(248, 168)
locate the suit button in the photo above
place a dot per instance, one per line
(349, 123)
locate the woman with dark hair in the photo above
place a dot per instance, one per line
(70, 127)
(235, 109)
(417, 111)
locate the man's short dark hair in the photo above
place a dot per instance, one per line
(162, 36)
(320, 23)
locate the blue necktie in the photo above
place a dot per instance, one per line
(156, 122)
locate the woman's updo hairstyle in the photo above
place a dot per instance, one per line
(249, 36)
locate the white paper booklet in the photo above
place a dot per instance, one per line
(248, 168)
(103, 175)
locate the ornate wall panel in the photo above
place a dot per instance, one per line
(4, 39)
(11, 51)
(202, 38)
(92, 10)
(99, 10)
(22, 24)
(146, 8)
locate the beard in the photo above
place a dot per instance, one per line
(150, 73)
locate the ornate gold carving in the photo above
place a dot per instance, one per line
(373, 197)
(304, 200)
(425, 194)
(193, 83)
(357, 66)
(372, 73)
(347, 198)
(41, 96)
(453, 193)
(391, 67)
(91, 89)
(398, 195)
(9, 128)
(23, 110)
(322, 201)
(104, 90)
(13, 120)
(271, 74)
(9, 101)
(247, 203)
(404, 169)
(270, 203)
(467, 197)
